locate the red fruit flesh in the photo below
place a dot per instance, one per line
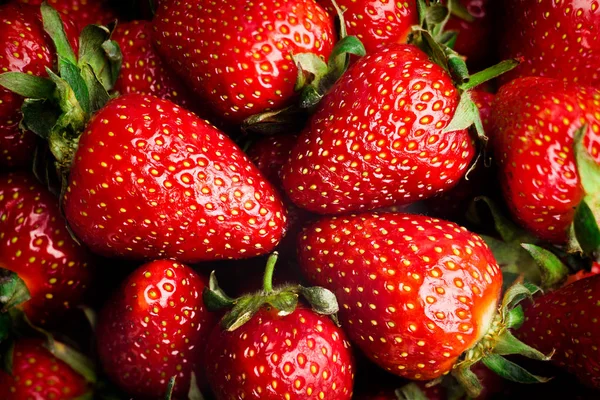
(376, 139)
(302, 355)
(155, 327)
(377, 23)
(150, 179)
(565, 322)
(38, 375)
(35, 243)
(241, 65)
(414, 292)
(557, 39)
(83, 12)
(534, 120)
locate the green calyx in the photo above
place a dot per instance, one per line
(284, 299)
(498, 342)
(58, 107)
(315, 78)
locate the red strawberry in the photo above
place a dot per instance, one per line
(269, 347)
(565, 322)
(377, 23)
(595, 270)
(83, 12)
(534, 121)
(415, 293)
(557, 39)
(35, 243)
(150, 179)
(24, 47)
(239, 65)
(377, 138)
(37, 374)
(143, 71)
(155, 327)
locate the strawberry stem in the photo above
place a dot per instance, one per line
(268, 277)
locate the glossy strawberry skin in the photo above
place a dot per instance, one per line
(377, 23)
(414, 292)
(533, 123)
(35, 243)
(299, 356)
(152, 180)
(24, 47)
(38, 375)
(557, 39)
(82, 12)
(376, 139)
(142, 70)
(566, 321)
(155, 327)
(241, 66)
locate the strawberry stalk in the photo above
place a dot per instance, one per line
(284, 299)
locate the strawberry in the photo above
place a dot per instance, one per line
(155, 327)
(376, 23)
(534, 121)
(416, 293)
(150, 179)
(35, 243)
(378, 138)
(37, 374)
(143, 71)
(83, 12)
(565, 321)
(233, 63)
(24, 47)
(271, 347)
(557, 39)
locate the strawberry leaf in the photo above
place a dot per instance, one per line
(285, 302)
(511, 371)
(553, 271)
(39, 116)
(29, 86)
(242, 312)
(170, 387)
(7, 352)
(72, 75)
(194, 393)
(53, 26)
(587, 231)
(410, 391)
(515, 317)
(508, 344)
(460, 11)
(322, 300)
(92, 52)
(214, 297)
(284, 121)
(80, 363)
(467, 379)
(13, 290)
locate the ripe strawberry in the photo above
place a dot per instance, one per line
(376, 23)
(557, 39)
(142, 70)
(35, 244)
(37, 374)
(150, 180)
(153, 328)
(24, 47)
(238, 66)
(377, 138)
(83, 12)
(269, 347)
(416, 293)
(534, 121)
(565, 321)
(579, 275)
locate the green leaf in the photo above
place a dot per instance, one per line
(515, 294)
(80, 363)
(285, 302)
(460, 11)
(311, 69)
(5, 326)
(113, 52)
(508, 344)
(242, 312)
(553, 272)
(214, 297)
(54, 27)
(515, 318)
(28, 86)
(465, 116)
(288, 120)
(39, 116)
(194, 392)
(339, 59)
(90, 315)
(98, 94)
(13, 290)
(458, 67)
(586, 228)
(92, 51)
(7, 352)
(410, 391)
(170, 387)
(322, 300)
(490, 73)
(89, 395)
(341, 21)
(436, 14)
(468, 380)
(511, 371)
(514, 261)
(72, 75)
(508, 231)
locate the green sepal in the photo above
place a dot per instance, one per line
(72, 75)
(588, 170)
(553, 271)
(341, 22)
(515, 318)
(7, 351)
(410, 391)
(460, 11)
(39, 116)
(508, 344)
(13, 290)
(170, 387)
(436, 14)
(76, 360)
(93, 45)
(89, 395)
(242, 312)
(285, 302)
(465, 116)
(311, 68)
(113, 52)
(53, 26)
(339, 59)
(5, 326)
(458, 67)
(288, 120)
(586, 230)
(28, 86)
(490, 73)
(467, 380)
(322, 300)
(511, 371)
(214, 297)
(97, 93)
(194, 393)
(90, 315)
(516, 294)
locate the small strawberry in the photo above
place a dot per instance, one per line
(82, 12)
(24, 47)
(534, 121)
(565, 321)
(153, 328)
(234, 63)
(269, 347)
(419, 296)
(557, 39)
(37, 374)
(35, 244)
(376, 22)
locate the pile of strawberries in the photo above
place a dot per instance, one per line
(299, 199)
